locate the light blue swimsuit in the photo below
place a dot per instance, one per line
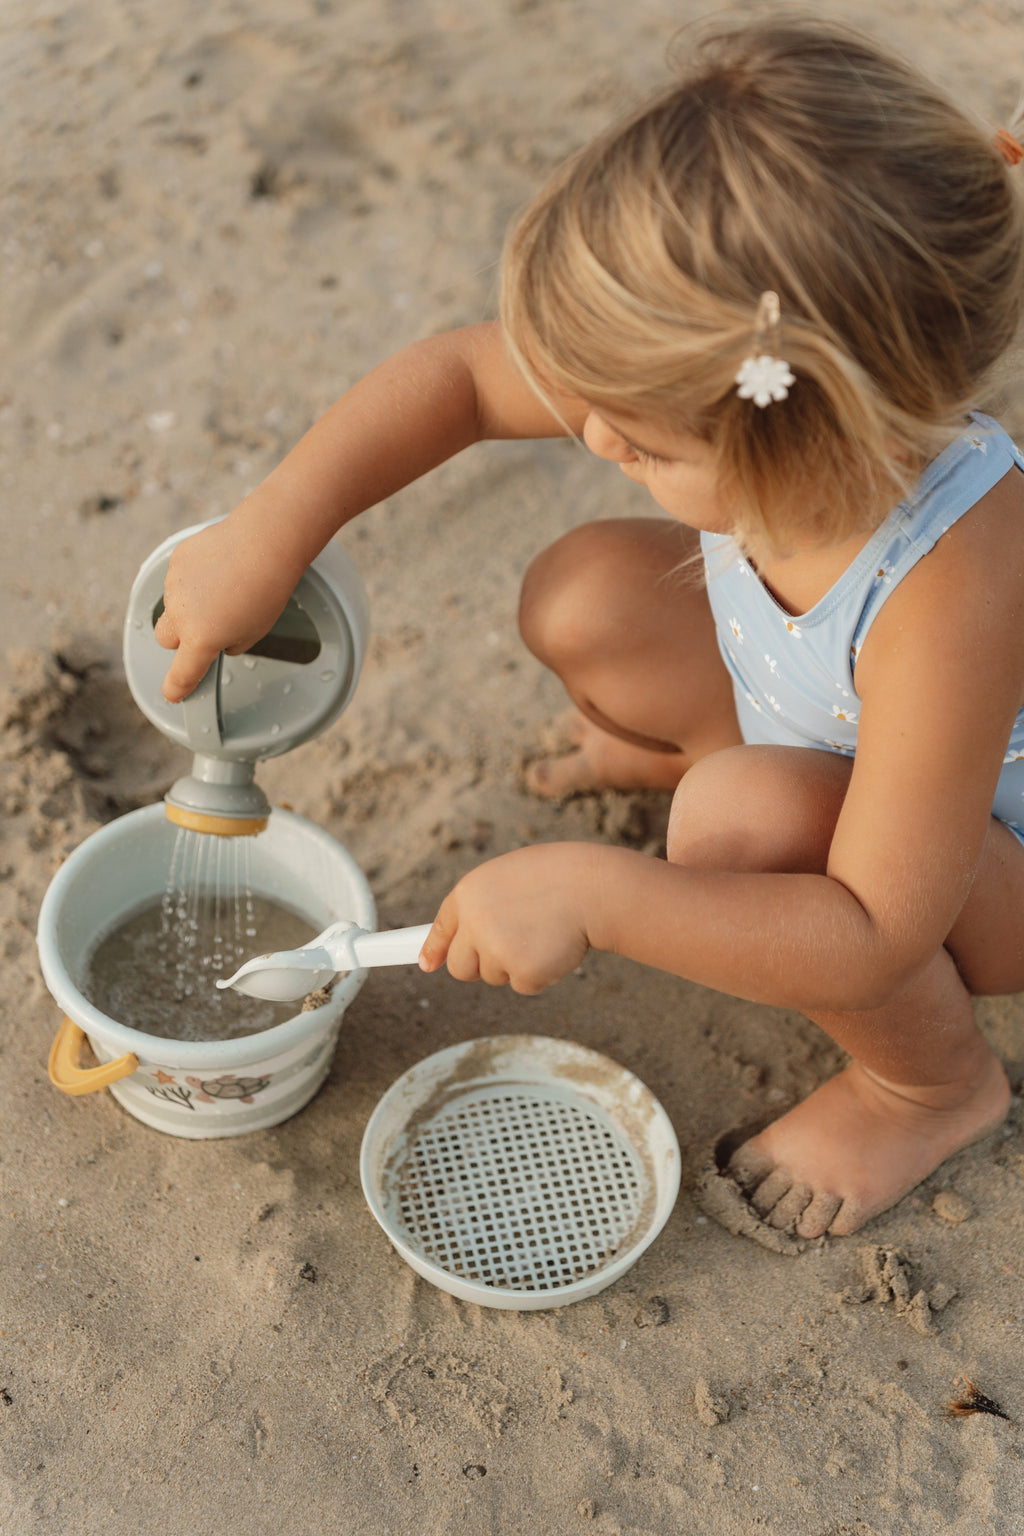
(794, 676)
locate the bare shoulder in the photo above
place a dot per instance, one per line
(965, 599)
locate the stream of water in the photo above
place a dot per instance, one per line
(156, 970)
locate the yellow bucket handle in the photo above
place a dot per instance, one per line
(69, 1077)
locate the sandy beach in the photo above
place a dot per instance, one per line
(214, 218)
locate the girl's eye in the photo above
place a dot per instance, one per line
(643, 454)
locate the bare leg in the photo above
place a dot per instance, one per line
(922, 1083)
(618, 610)
(630, 633)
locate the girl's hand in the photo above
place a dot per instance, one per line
(225, 587)
(519, 920)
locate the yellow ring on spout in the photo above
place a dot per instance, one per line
(217, 826)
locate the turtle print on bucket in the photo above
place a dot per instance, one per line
(227, 1087)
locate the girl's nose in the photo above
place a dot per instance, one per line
(603, 440)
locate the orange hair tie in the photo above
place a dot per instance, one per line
(1008, 147)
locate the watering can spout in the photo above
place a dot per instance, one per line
(219, 796)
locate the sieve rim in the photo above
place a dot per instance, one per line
(527, 1065)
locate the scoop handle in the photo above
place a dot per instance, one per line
(395, 946)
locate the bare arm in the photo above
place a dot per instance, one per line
(226, 587)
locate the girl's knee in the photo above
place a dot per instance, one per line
(569, 591)
(754, 809)
(708, 824)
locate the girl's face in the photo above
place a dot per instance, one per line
(678, 470)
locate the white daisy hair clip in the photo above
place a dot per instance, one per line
(764, 376)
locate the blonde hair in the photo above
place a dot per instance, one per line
(796, 157)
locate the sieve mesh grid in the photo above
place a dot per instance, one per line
(521, 1187)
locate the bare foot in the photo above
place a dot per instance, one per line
(596, 760)
(856, 1146)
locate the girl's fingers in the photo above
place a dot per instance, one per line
(464, 967)
(444, 945)
(186, 672)
(165, 633)
(437, 942)
(188, 666)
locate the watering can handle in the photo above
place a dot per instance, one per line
(201, 710)
(69, 1077)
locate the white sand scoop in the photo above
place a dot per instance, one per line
(291, 973)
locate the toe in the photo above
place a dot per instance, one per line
(771, 1190)
(748, 1167)
(565, 731)
(785, 1214)
(537, 776)
(556, 778)
(817, 1218)
(849, 1217)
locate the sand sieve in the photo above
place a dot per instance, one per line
(520, 1172)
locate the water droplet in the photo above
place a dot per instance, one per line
(287, 688)
(249, 662)
(275, 729)
(327, 677)
(136, 624)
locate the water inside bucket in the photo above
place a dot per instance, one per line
(157, 974)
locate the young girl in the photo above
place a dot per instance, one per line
(771, 297)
